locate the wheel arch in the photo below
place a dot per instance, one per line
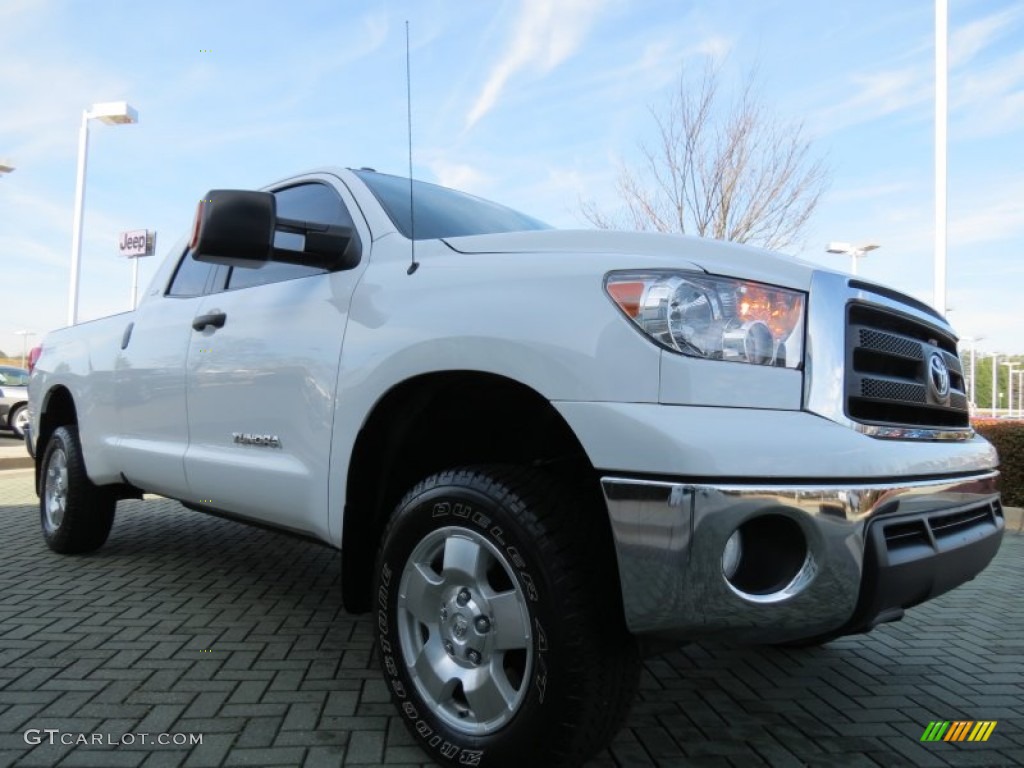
(439, 421)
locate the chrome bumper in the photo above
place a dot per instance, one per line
(670, 537)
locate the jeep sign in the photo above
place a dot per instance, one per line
(138, 242)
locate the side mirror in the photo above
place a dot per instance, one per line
(235, 227)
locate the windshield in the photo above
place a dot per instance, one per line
(13, 377)
(443, 212)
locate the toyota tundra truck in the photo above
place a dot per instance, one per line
(541, 453)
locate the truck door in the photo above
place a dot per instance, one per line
(150, 381)
(262, 374)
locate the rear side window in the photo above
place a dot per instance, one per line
(190, 277)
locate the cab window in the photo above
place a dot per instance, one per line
(190, 277)
(306, 202)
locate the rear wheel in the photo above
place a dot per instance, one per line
(76, 515)
(499, 628)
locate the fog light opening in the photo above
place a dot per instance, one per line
(764, 557)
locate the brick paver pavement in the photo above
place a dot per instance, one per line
(187, 624)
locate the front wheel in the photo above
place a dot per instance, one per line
(76, 515)
(498, 621)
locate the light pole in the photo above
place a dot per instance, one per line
(1020, 383)
(995, 380)
(941, 120)
(1009, 400)
(24, 343)
(1020, 395)
(971, 393)
(111, 113)
(6, 165)
(853, 251)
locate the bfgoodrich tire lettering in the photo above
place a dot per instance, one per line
(76, 515)
(493, 622)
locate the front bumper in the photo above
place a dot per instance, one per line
(870, 550)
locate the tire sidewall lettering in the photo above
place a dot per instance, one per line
(465, 514)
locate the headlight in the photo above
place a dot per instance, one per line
(716, 318)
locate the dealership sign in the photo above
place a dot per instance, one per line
(138, 242)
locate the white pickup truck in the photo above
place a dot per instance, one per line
(542, 453)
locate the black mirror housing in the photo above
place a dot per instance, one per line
(235, 227)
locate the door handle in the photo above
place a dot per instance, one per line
(216, 319)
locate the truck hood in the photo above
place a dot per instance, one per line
(649, 250)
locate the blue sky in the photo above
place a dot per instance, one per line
(533, 103)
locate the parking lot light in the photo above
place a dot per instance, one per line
(853, 251)
(1010, 371)
(995, 381)
(111, 113)
(24, 344)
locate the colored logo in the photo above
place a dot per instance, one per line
(959, 730)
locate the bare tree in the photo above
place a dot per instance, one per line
(731, 172)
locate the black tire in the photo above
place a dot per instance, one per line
(510, 546)
(14, 418)
(75, 514)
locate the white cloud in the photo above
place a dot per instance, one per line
(12, 8)
(461, 176)
(995, 215)
(547, 34)
(969, 40)
(868, 192)
(875, 95)
(41, 212)
(989, 101)
(311, 69)
(1000, 220)
(50, 97)
(990, 97)
(716, 47)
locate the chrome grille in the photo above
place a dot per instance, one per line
(895, 363)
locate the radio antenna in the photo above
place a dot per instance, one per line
(414, 265)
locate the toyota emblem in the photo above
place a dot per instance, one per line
(938, 377)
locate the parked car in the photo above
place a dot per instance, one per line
(13, 399)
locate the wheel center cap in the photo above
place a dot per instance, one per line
(459, 626)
